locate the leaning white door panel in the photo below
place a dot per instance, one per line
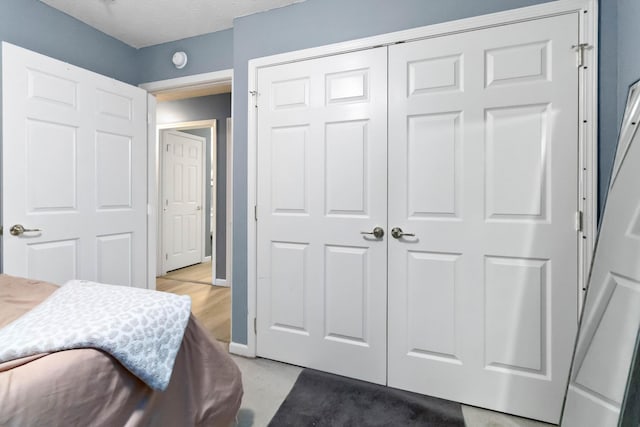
(182, 198)
(321, 182)
(611, 317)
(483, 170)
(74, 169)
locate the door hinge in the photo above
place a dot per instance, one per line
(579, 221)
(167, 148)
(255, 212)
(166, 257)
(255, 325)
(1, 228)
(579, 49)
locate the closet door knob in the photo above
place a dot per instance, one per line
(377, 232)
(19, 230)
(397, 233)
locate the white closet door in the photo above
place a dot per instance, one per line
(322, 180)
(182, 197)
(611, 315)
(483, 165)
(75, 168)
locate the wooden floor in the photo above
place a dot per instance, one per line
(210, 304)
(199, 273)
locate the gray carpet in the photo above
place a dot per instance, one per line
(324, 400)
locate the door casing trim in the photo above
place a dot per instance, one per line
(199, 81)
(211, 124)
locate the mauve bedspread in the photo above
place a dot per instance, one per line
(86, 387)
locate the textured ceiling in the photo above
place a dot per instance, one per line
(141, 23)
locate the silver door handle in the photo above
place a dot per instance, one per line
(397, 233)
(19, 230)
(377, 232)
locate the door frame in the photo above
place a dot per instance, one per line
(587, 134)
(187, 84)
(211, 124)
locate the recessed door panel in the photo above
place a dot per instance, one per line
(634, 226)
(115, 105)
(290, 94)
(346, 271)
(346, 168)
(431, 282)
(516, 315)
(177, 228)
(51, 167)
(517, 162)
(352, 86)
(52, 88)
(436, 74)
(615, 327)
(290, 170)
(435, 170)
(290, 272)
(113, 171)
(178, 187)
(193, 178)
(113, 250)
(55, 262)
(518, 64)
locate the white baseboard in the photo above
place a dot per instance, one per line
(206, 259)
(220, 282)
(240, 350)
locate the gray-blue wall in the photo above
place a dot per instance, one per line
(33, 25)
(607, 95)
(629, 56)
(206, 53)
(206, 108)
(619, 68)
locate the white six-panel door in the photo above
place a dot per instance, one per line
(321, 182)
(482, 173)
(182, 198)
(611, 317)
(483, 169)
(75, 168)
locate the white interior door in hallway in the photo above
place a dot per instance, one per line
(480, 296)
(182, 198)
(483, 143)
(75, 170)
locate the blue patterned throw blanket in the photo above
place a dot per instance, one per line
(142, 329)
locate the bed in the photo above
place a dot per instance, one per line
(83, 387)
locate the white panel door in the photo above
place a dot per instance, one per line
(75, 169)
(483, 172)
(611, 317)
(182, 198)
(321, 182)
